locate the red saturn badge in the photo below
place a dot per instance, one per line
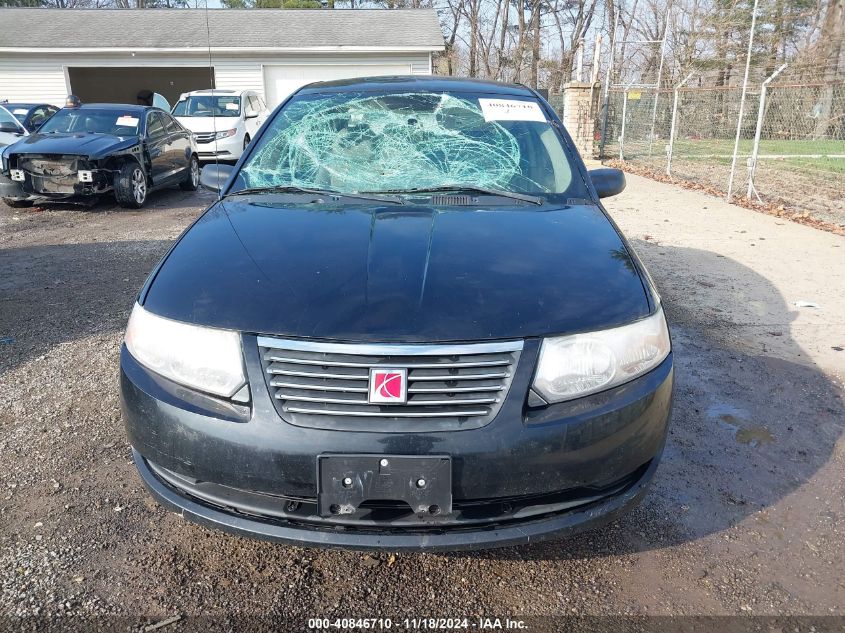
(388, 386)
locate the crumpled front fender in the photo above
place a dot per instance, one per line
(130, 147)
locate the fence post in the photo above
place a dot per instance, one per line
(607, 79)
(752, 166)
(622, 134)
(673, 128)
(578, 115)
(659, 77)
(742, 98)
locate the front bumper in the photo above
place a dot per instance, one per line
(501, 534)
(229, 148)
(32, 188)
(529, 474)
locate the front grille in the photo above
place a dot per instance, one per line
(204, 137)
(51, 174)
(326, 385)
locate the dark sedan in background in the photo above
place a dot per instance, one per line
(408, 323)
(31, 115)
(81, 153)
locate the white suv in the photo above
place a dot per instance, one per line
(222, 121)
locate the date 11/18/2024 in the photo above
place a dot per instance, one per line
(417, 624)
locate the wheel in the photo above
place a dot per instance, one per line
(246, 141)
(130, 186)
(192, 178)
(17, 204)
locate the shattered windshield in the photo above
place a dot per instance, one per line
(377, 142)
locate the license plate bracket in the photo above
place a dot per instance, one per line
(424, 482)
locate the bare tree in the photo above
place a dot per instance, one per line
(832, 55)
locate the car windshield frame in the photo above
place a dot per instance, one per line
(524, 153)
(79, 116)
(221, 111)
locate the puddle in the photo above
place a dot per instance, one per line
(734, 419)
(754, 436)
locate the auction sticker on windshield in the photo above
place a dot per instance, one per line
(129, 121)
(511, 110)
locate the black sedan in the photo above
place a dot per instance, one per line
(31, 115)
(408, 323)
(81, 153)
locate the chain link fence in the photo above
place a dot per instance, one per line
(801, 156)
(791, 153)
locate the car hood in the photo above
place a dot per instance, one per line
(403, 274)
(208, 124)
(82, 144)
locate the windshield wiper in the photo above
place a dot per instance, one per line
(315, 192)
(451, 188)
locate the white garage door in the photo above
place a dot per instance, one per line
(280, 81)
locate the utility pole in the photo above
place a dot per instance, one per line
(742, 99)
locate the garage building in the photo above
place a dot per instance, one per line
(109, 55)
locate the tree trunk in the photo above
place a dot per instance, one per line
(502, 39)
(833, 49)
(535, 43)
(473, 37)
(520, 42)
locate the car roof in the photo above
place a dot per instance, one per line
(121, 107)
(125, 107)
(424, 83)
(216, 91)
(17, 104)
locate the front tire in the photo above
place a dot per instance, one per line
(130, 186)
(246, 142)
(192, 178)
(17, 204)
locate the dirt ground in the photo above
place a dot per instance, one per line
(746, 516)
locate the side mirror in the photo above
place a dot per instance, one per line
(213, 177)
(9, 128)
(251, 115)
(608, 182)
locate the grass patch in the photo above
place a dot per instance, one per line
(791, 154)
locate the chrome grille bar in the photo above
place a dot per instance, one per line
(500, 374)
(409, 365)
(382, 414)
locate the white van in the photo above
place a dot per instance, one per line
(222, 121)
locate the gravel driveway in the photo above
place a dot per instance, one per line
(747, 514)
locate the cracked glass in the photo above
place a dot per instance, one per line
(369, 142)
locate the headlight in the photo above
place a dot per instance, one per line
(581, 364)
(203, 358)
(226, 133)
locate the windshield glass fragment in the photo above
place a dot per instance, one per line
(355, 142)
